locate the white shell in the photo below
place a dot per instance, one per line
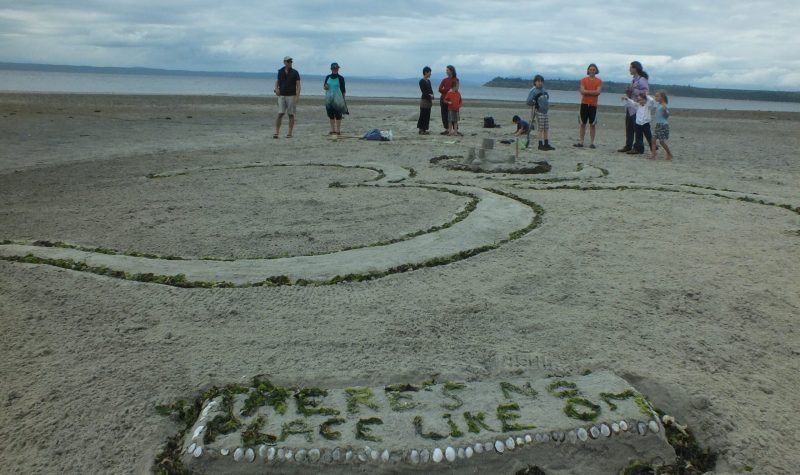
(238, 454)
(478, 448)
(605, 430)
(249, 455)
(545, 437)
(385, 455)
(653, 425)
(437, 455)
(499, 446)
(224, 451)
(528, 439)
(314, 455)
(300, 455)
(374, 455)
(450, 454)
(336, 455)
(582, 434)
(191, 448)
(572, 437)
(594, 432)
(281, 454)
(538, 437)
(262, 451)
(414, 457)
(197, 431)
(510, 444)
(198, 451)
(623, 425)
(271, 453)
(424, 456)
(207, 409)
(289, 455)
(615, 427)
(461, 453)
(362, 456)
(468, 452)
(348, 456)
(642, 428)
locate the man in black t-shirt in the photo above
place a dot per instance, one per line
(287, 88)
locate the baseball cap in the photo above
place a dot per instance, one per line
(287, 58)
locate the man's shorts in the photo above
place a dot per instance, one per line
(588, 114)
(453, 116)
(542, 121)
(286, 105)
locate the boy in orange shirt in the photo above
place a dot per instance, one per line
(590, 88)
(453, 101)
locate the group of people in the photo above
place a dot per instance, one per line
(638, 107)
(449, 101)
(287, 88)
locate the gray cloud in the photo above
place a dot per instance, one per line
(712, 43)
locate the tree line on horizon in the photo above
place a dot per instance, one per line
(672, 89)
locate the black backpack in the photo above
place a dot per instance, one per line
(488, 123)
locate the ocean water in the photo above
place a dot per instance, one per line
(98, 83)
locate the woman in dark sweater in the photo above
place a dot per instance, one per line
(425, 102)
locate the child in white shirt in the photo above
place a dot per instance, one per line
(644, 105)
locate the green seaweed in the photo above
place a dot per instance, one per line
(224, 423)
(418, 428)
(447, 390)
(308, 405)
(476, 421)
(252, 435)
(563, 389)
(365, 433)
(454, 430)
(328, 433)
(359, 396)
(507, 413)
(591, 414)
(264, 393)
(398, 399)
(296, 427)
(526, 390)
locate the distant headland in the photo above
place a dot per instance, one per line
(683, 91)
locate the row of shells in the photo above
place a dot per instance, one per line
(415, 457)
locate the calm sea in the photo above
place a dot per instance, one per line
(97, 83)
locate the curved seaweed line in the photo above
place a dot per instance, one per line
(746, 199)
(380, 173)
(179, 280)
(459, 216)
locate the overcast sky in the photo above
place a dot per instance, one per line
(703, 43)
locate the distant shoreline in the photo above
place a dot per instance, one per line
(683, 91)
(92, 100)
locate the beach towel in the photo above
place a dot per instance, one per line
(334, 97)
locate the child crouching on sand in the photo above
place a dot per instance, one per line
(453, 101)
(662, 122)
(522, 126)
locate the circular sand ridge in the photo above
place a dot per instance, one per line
(235, 212)
(491, 220)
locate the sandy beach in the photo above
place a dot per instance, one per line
(681, 277)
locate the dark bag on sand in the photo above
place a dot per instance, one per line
(488, 123)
